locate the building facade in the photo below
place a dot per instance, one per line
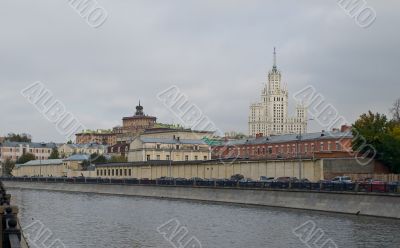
(45, 168)
(14, 150)
(174, 145)
(270, 115)
(104, 137)
(289, 146)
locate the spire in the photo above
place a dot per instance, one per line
(274, 67)
(139, 110)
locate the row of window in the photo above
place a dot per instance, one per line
(114, 172)
(288, 149)
(167, 157)
(30, 150)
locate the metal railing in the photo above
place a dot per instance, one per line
(10, 233)
(323, 186)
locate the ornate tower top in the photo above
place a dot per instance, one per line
(274, 66)
(139, 110)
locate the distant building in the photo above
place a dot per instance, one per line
(74, 162)
(14, 150)
(66, 150)
(270, 115)
(175, 145)
(46, 168)
(289, 146)
(120, 149)
(104, 137)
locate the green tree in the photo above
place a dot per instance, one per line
(95, 158)
(8, 167)
(24, 137)
(395, 110)
(85, 164)
(69, 142)
(26, 158)
(54, 154)
(118, 159)
(375, 130)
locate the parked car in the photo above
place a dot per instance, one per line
(286, 179)
(373, 185)
(266, 179)
(246, 180)
(342, 179)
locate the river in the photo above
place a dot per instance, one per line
(76, 220)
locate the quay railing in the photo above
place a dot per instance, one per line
(10, 232)
(322, 186)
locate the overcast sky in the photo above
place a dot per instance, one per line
(218, 52)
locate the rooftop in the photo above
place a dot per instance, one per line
(28, 144)
(290, 137)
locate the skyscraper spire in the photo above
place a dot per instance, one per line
(274, 67)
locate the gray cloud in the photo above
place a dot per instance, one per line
(217, 52)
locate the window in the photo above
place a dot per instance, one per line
(129, 172)
(120, 172)
(338, 147)
(125, 172)
(148, 157)
(98, 173)
(116, 172)
(195, 158)
(196, 148)
(158, 146)
(205, 157)
(321, 147)
(177, 147)
(109, 172)
(186, 157)
(158, 157)
(112, 172)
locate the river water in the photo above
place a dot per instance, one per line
(93, 220)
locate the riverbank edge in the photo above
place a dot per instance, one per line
(376, 205)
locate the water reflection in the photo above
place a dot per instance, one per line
(92, 220)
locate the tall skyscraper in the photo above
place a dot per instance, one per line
(270, 116)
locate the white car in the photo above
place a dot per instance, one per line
(343, 179)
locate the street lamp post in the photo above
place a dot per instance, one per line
(170, 161)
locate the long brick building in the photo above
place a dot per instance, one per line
(335, 143)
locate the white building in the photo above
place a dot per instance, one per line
(14, 150)
(270, 116)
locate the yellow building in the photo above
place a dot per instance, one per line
(170, 145)
(45, 168)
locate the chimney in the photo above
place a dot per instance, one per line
(345, 128)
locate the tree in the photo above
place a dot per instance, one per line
(69, 142)
(384, 136)
(24, 137)
(370, 127)
(118, 159)
(26, 158)
(395, 110)
(8, 167)
(85, 164)
(54, 154)
(96, 158)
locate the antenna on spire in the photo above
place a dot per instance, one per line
(274, 67)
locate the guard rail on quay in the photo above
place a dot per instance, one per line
(386, 188)
(10, 231)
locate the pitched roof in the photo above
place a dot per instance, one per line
(30, 144)
(77, 157)
(290, 137)
(173, 141)
(41, 162)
